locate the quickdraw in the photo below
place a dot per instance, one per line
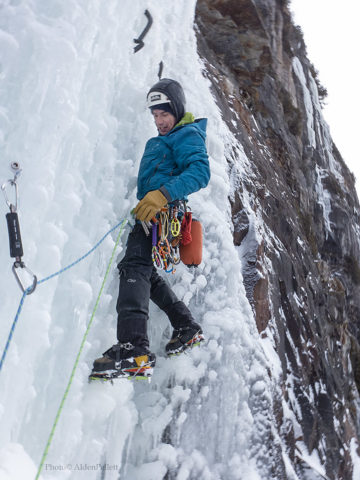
(15, 243)
(166, 237)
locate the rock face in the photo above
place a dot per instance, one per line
(296, 222)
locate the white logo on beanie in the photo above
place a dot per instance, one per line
(156, 98)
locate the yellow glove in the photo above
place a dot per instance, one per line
(150, 205)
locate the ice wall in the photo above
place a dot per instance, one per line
(72, 112)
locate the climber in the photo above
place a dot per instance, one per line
(174, 165)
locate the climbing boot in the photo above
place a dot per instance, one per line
(124, 360)
(184, 338)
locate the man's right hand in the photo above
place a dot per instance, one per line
(148, 207)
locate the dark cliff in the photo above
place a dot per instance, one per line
(296, 222)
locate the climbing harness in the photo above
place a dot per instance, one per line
(175, 237)
(16, 248)
(140, 41)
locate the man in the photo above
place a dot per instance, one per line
(174, 164)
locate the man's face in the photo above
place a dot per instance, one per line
(164, 121)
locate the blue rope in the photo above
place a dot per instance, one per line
(13, 328)
(122, 223)
(84, 256)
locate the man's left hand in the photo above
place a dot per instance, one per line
(148, 207)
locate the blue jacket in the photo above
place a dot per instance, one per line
(176, 163)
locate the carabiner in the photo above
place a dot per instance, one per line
(28, 290)
(164, 223)
(175, 253)
(169, 268)
(156, 258)
(175, 227)
(163, 247)
(16, 169)
(12, 207)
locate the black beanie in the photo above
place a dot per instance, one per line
(166, 107)
(175, 93)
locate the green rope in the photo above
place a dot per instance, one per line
(78, 357)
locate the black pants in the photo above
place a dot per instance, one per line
(140, 283)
